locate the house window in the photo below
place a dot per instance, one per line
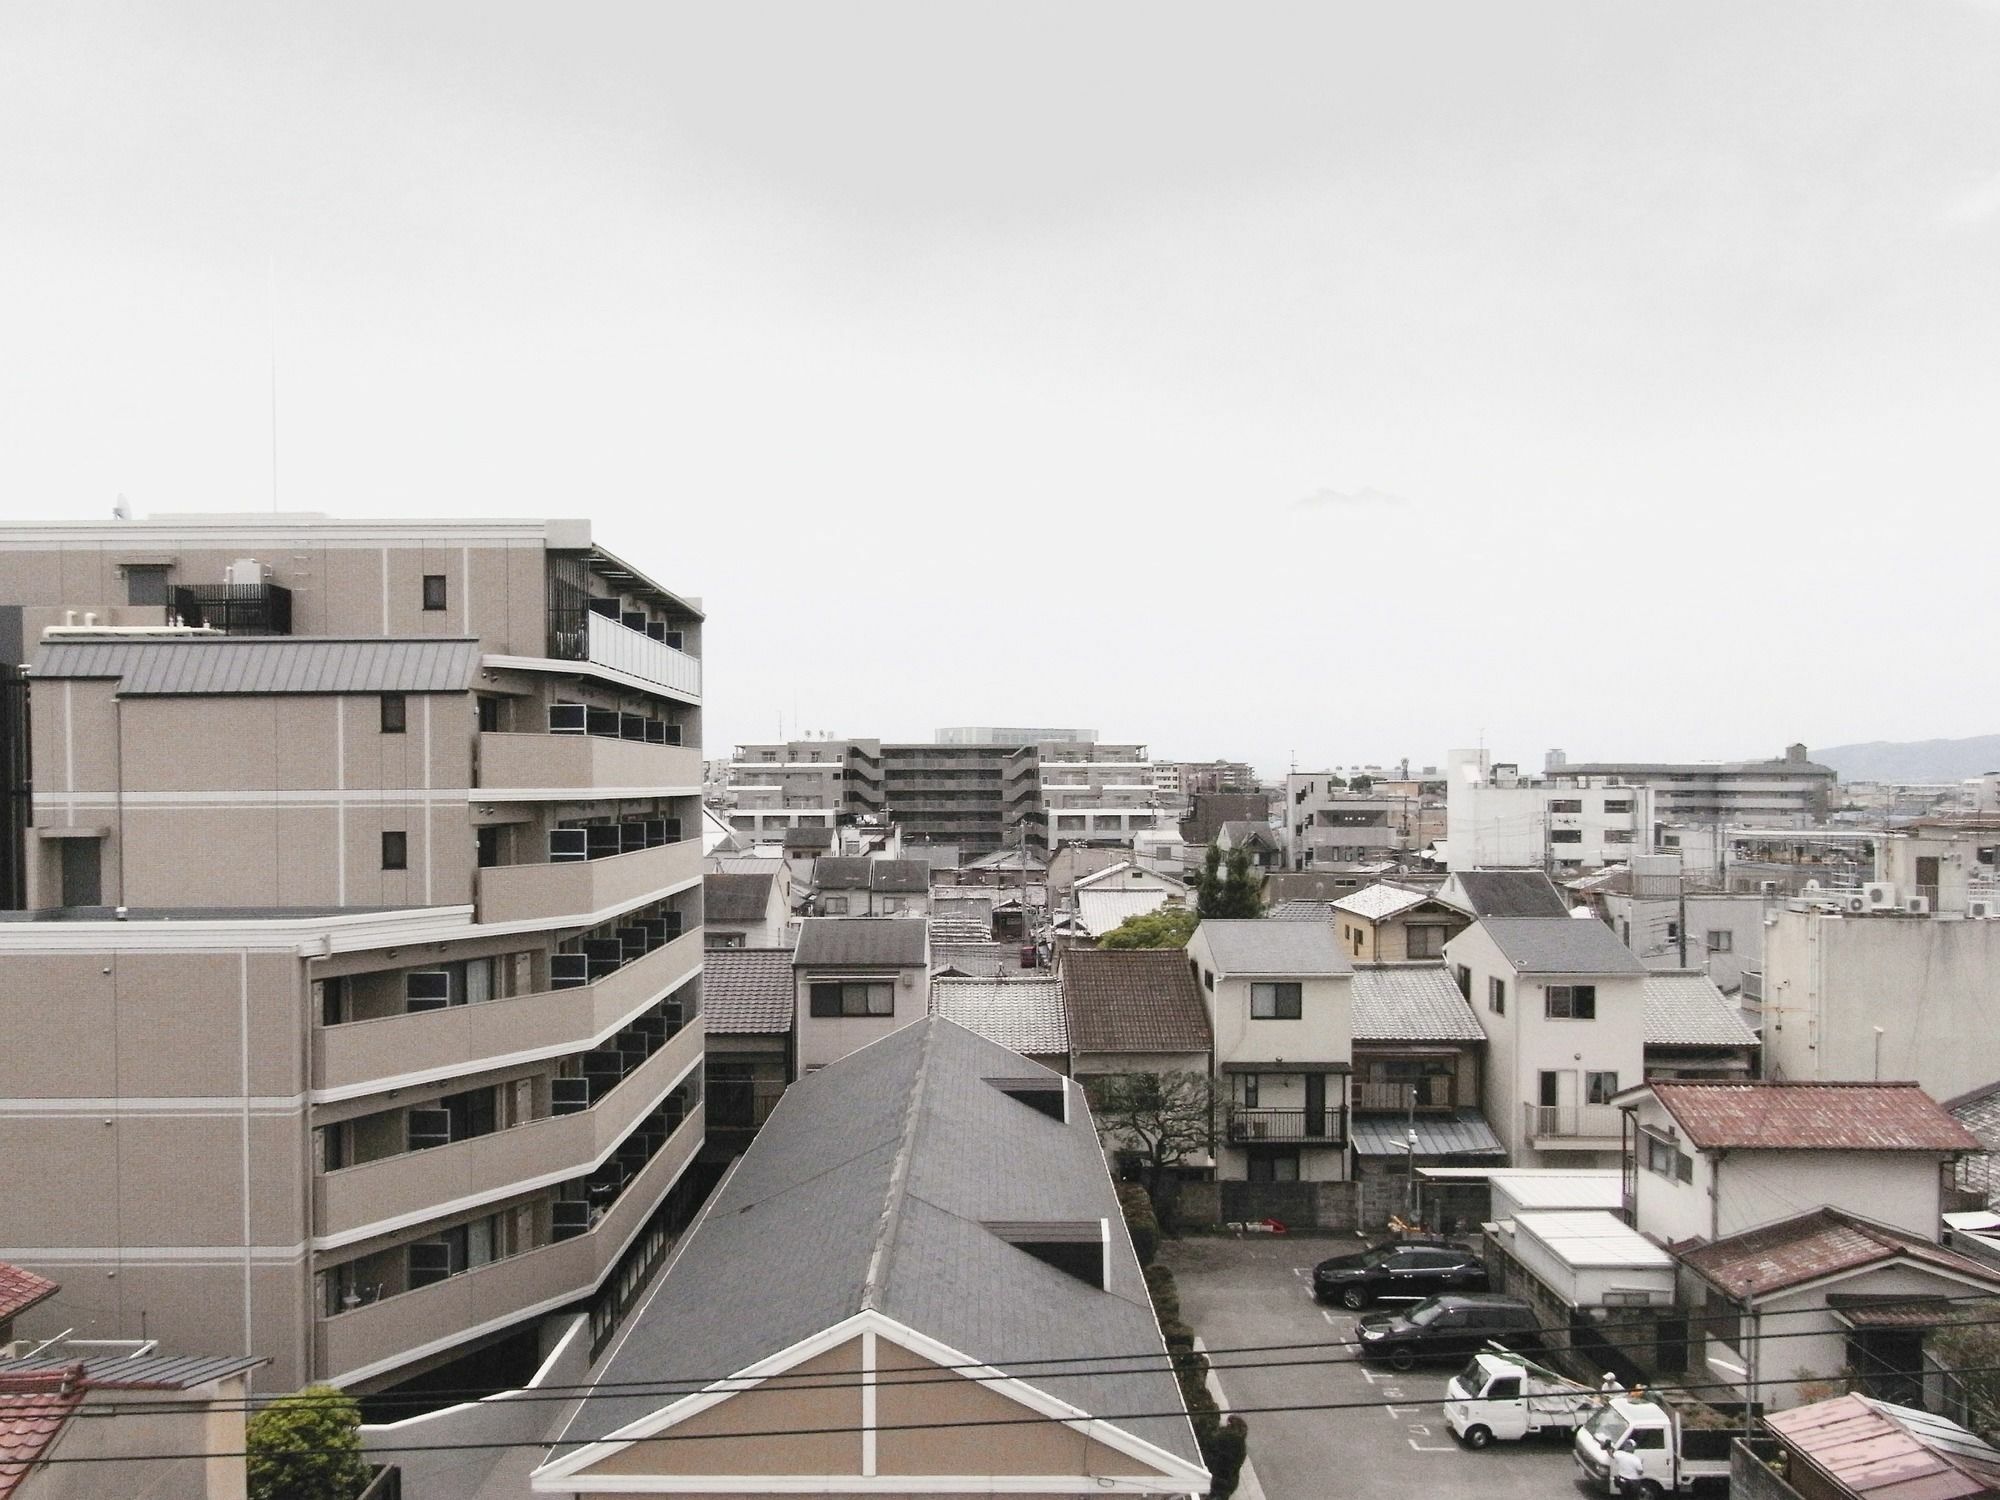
(145, 585)
(1572, 1002)
(1275, 1166)
(1618, 805)
(1599, 1087)
(395, 713)
(854, 998)
(1565, 835)
(1667, 1159)
(396, 851)
(1208, 980)
(1619, 836)
(1496, 996)
(1426, 942)
(1281, 1001)
(894, 905)
(1719, 941)
(835, 906)
(1566, 804)
(434, 591)
(1462, 976)
(1249, 1090)
(710, 938)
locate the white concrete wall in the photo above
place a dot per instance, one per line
(1324, 1032)
(826, 1039)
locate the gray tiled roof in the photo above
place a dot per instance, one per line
(840, 872)
(746, 991)
(1259, 946)
(1301, 911)
(1510, 893)
(1025, 1015)
(1411, 1003)
(870, 1188)
(1687, 1010)
(1561, 945)
(898, 941)
(735, 898)
(899, 876)
(1373, 903)
(205, 665)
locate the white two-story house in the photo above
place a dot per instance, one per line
(855, 980)
(1280, 1001)
(1563, 1006)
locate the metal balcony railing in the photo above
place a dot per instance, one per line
(236, 608)
(1287, 1126)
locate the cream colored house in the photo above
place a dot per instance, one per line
(856, 979)
(1386, 923)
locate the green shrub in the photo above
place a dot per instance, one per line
(1165, 1293)
(306, 1446)
(1224, 1451)
(1145, 1228)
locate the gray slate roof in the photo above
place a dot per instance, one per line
(1687, 1010)
(736, 898)
(212, 665)
(159, 1372)
(1025, 1015)
(1561, 945)
(1259, 946)
(1411, 1003)
(841, 872)
(1511, 893)
(870, 1188)
(1463, 1134)
(746, 991)
(888, 941)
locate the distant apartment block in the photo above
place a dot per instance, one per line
(354, 1011)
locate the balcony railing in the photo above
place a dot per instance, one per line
(608, 643)
(550, 892)
(236, 608)
(1327, 1127)
(1392, 1095)
(1573, 1121)
(583, 762)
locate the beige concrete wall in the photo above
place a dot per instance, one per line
(127, 1445)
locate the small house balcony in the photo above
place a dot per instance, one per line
(1287, 1127)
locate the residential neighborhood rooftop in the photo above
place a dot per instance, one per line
(1561, 945)
(21, 1289)
(1411, 1002)
(1255, 946)
(1375, 902)
(1824, 1242)
(736, 898)
(880, 941)
(1136, 1000)
(1687, 1010)
(1736, 1115)
(1871, 1448)
(1510, 893)
(1022, 1014)
(747, 991)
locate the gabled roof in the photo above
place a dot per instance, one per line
(1813, 1246)
(900, 942)
(1256, 946)
(1241, 833)
(899, 876)
(1687, 1010)
(870, 1192)
(1722, 1115)
(1124, 875)
(1560, 945)
(1509, 893)
(1300, 911)
(840, 872)
(735, 898)
(215, 665)
(1382, 900)
(1100, 909)
(1411, 1003)
(33, 1410)
(1870, 1448)
(747, 991)
(1979, 1112)
(1004, 859)
(1023, 1015)
(978, 958)
(1141, 1000)
(21, 1289)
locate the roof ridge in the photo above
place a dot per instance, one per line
(875, 1277)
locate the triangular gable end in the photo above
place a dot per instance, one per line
(895, 1411)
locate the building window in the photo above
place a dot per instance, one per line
(1619, 805)
(710, 938)
(434, 591)
(1281, 1001)
(396, 851)
(835, 906)
(854, 998)
(894, 906)
(1274, 1166)
(1599, 1087)
(1619, 836)
(1425, 942)
(1249, 1090)
(1572, 1002)
(1462, 976)
(1565, 835)
(1208, 980)
(145, 585)
(1496, 996)
(1667, 1159)
(395, 713)
(1719, 941)
(1566, 804)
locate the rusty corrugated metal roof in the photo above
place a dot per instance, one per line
(1810, 1116)
(1822, 1243)
(1870, 1448)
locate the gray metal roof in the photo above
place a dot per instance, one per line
(1463, 1134)
(1561, 945)
(163, 1372)
(1025, 1015)
(1257, 946)
(1687, 1010)
(888, 941)
(736, 898)
(208, 665)
(1411, 1003)
(747, 991)
(870, 1187)
(841, 872)
(1509, 893)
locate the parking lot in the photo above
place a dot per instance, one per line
(1258, 1290)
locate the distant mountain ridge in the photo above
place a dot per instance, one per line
(1913, 760)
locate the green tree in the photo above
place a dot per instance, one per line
(307, 1446)
(1228, 888)
(1361, 784)
(1163, 1118)
(1169, 927)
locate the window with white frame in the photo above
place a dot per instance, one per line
(1282, 1000)
(849, 997)
(1571, 1002)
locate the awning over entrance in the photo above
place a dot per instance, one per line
(1463, 1134)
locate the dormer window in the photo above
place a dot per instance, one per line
(1045, 1095)
(1079, 1248)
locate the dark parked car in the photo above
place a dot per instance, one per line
(1452, 1326)
(1408, 1269)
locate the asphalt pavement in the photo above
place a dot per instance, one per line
(1257, 1290)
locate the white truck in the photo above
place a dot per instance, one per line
(1644, 1449)
(1502, 1395)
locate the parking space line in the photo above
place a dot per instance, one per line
(1327, 1315)
(1431, 1447)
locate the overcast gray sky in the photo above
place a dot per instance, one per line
(1339, 381)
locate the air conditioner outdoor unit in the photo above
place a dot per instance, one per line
(1881, 895)
(1982, 911)
(1858, 904)
(245, 572)
(1917, 906)
(1767, 887)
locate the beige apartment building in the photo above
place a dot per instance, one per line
(354, 1015)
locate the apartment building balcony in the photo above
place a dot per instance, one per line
(1435, 1094)
(379, 1196)
(378, 1336)
(1573, 1122)
(592, 630)
(555, 892)
(235, 608)
(361, 1056)
(584, 762)
(1287, 1127)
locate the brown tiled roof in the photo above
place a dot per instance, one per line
(1811, 1116)
(746, 991)
(33, 1409)
(1133, 1000)
(735, 898)
(21, 1290)
(1825, 1242)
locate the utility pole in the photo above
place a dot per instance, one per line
(1410, 1145)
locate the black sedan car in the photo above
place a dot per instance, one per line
(1447, 1327)
(1396, 1272)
